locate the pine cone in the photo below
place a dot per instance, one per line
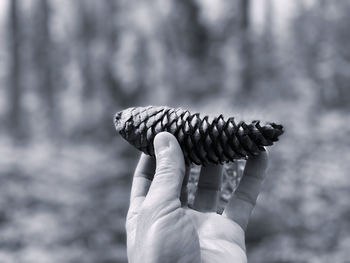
(202, 141)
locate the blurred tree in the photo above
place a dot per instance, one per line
(246, 49)
(142, 63)
(43, 61)
(340, 40)
(268, 42)
(194, 39)
(15, 70)
(320, 40)
(110, 36)
(86, 31)
(187, 43)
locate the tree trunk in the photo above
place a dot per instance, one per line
(86, 35)
(43, 56)
(269, 47)
(14, 114)
(110, 79)
(246, 50)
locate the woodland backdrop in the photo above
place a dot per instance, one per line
(67, 66)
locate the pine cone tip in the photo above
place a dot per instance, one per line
(117, 121)
(121, 119)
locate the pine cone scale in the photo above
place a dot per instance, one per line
(202, 141)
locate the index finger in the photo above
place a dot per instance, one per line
(244, 199)
(208, 189)
(143, 176)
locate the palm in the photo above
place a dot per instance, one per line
(221, 239)
(169, 234)
(195, 235)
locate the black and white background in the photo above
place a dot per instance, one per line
(67, 66)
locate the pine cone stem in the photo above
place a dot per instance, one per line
(202, 141)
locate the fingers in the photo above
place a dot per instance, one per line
(170, 170)
(143, 176)
(184, 190)
(243, 200)
(208, 189)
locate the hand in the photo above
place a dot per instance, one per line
(161, 228)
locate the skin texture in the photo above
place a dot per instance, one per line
(162, 228)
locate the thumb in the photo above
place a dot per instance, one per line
(170, 169)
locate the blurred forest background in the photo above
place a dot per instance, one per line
(67, 66)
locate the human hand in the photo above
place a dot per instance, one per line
(161, 228)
